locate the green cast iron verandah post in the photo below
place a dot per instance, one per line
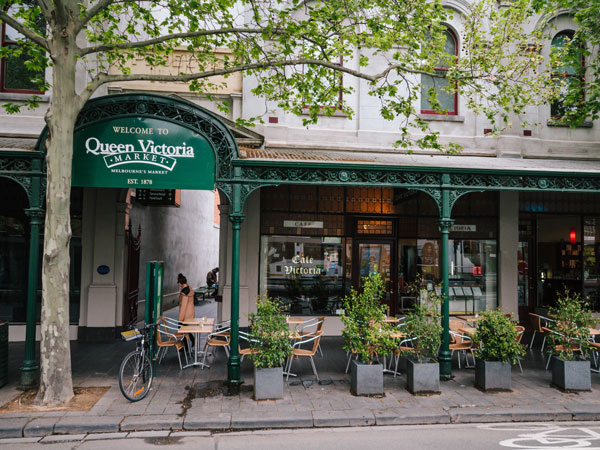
(445, 223)
(30, 366)
(234, 376)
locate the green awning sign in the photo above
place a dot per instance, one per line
(141, 152)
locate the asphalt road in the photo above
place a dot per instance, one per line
(554, 435)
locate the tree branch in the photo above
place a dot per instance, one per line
(45, 7)
(32, 36)
(91, 13)
(167, 37)
(102, 78)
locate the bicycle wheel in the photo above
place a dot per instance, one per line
(135, 376)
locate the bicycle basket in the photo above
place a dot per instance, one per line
(130, 335)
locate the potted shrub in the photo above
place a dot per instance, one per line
(424, 327)
(367, 335)
(569, 342)
(499, 349)
(271, 345)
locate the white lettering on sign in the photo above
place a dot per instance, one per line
(303, 223)
(96, 147)
(468, 228)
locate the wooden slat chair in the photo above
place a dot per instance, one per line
(460, 343)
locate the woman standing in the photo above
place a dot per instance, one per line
(186, 300)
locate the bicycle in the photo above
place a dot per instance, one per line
(135, 374)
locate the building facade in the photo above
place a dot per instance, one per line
(327, 203)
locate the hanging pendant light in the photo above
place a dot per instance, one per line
(572, 235)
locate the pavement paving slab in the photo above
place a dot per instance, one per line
(411, 416)
(42, 426)
(87, 424)
(152, 422)
(203, 421)
(13, 427)
(343, 418)
(63, 438)
(271, 419)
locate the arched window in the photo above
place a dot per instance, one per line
(448, 101)
(570, 70)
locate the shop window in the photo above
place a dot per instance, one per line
(374, 227)
(330, 82)
(366, 200)
(305, 273)
(473, 275)
(559, 257)
(17, 74)
(435, 95)
(569, 73)
(591, 264)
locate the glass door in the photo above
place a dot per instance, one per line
(525, 270)
(376, 256)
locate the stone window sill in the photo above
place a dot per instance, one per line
(336, 113)
(552, 123)
(441, 118)
(17, 97)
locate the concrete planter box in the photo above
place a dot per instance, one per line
(422, 378)
(366, 379)
(492, 375)
(571, 375)
(268, 383)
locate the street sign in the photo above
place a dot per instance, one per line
(142, 152)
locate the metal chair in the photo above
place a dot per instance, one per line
(299, 352)
(404, 347)
(559, 348)
(217, 339)
(539, 324)
(521, 330)
(462, 344)
(246, 337)
(166, 340)
(311, 328)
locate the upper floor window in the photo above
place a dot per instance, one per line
(569, 71)
(18, 73)
(447, 102)
(330, 85)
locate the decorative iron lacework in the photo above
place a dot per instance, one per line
(169, 109)
(21, 170)
(431, 183)
(369, 176)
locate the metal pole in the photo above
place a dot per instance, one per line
(445, 223)
(30, 365)
(234, 376)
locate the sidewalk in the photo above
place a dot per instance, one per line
(195, 399)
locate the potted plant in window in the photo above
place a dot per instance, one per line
(270, 346)
(499, 348)
(424, 332)
(569, 347)
(367, 335)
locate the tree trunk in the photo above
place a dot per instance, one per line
(56, 384)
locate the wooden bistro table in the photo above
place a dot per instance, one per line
(197, 328)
